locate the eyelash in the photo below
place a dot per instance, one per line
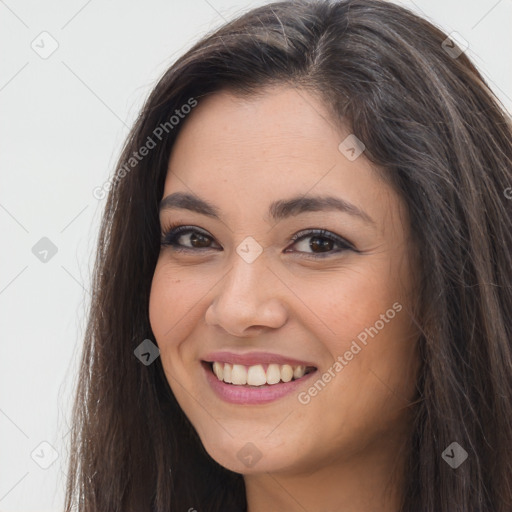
(174, 231)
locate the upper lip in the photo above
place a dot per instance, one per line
(253, 358)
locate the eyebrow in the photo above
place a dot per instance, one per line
(277, 211)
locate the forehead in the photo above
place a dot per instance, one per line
(250, 151)
(281, 123)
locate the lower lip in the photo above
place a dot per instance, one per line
(245, 395)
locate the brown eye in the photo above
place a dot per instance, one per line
(197, 239)
(186, 238)
(320, 243)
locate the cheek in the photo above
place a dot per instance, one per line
(162, 295)
(361, 316)
(341, 303)
(173, 304)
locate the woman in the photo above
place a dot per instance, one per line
(302, 294)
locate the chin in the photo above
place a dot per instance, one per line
(248, 457)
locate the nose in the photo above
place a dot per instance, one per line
(247, 300)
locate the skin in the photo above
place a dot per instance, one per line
(346, 446)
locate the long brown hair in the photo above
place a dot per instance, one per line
(441, 138)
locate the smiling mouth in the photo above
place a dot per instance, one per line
(258, 375)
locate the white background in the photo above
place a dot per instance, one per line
(63, 121)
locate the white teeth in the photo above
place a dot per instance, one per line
(218, 369)
(227, 373)
(255, 375)
(239, 374)
(273, 374)
(299, 372)
(286, 373)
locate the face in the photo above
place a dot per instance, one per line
(294, 254)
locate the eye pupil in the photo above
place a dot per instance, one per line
(203, 241)
(323, 244)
